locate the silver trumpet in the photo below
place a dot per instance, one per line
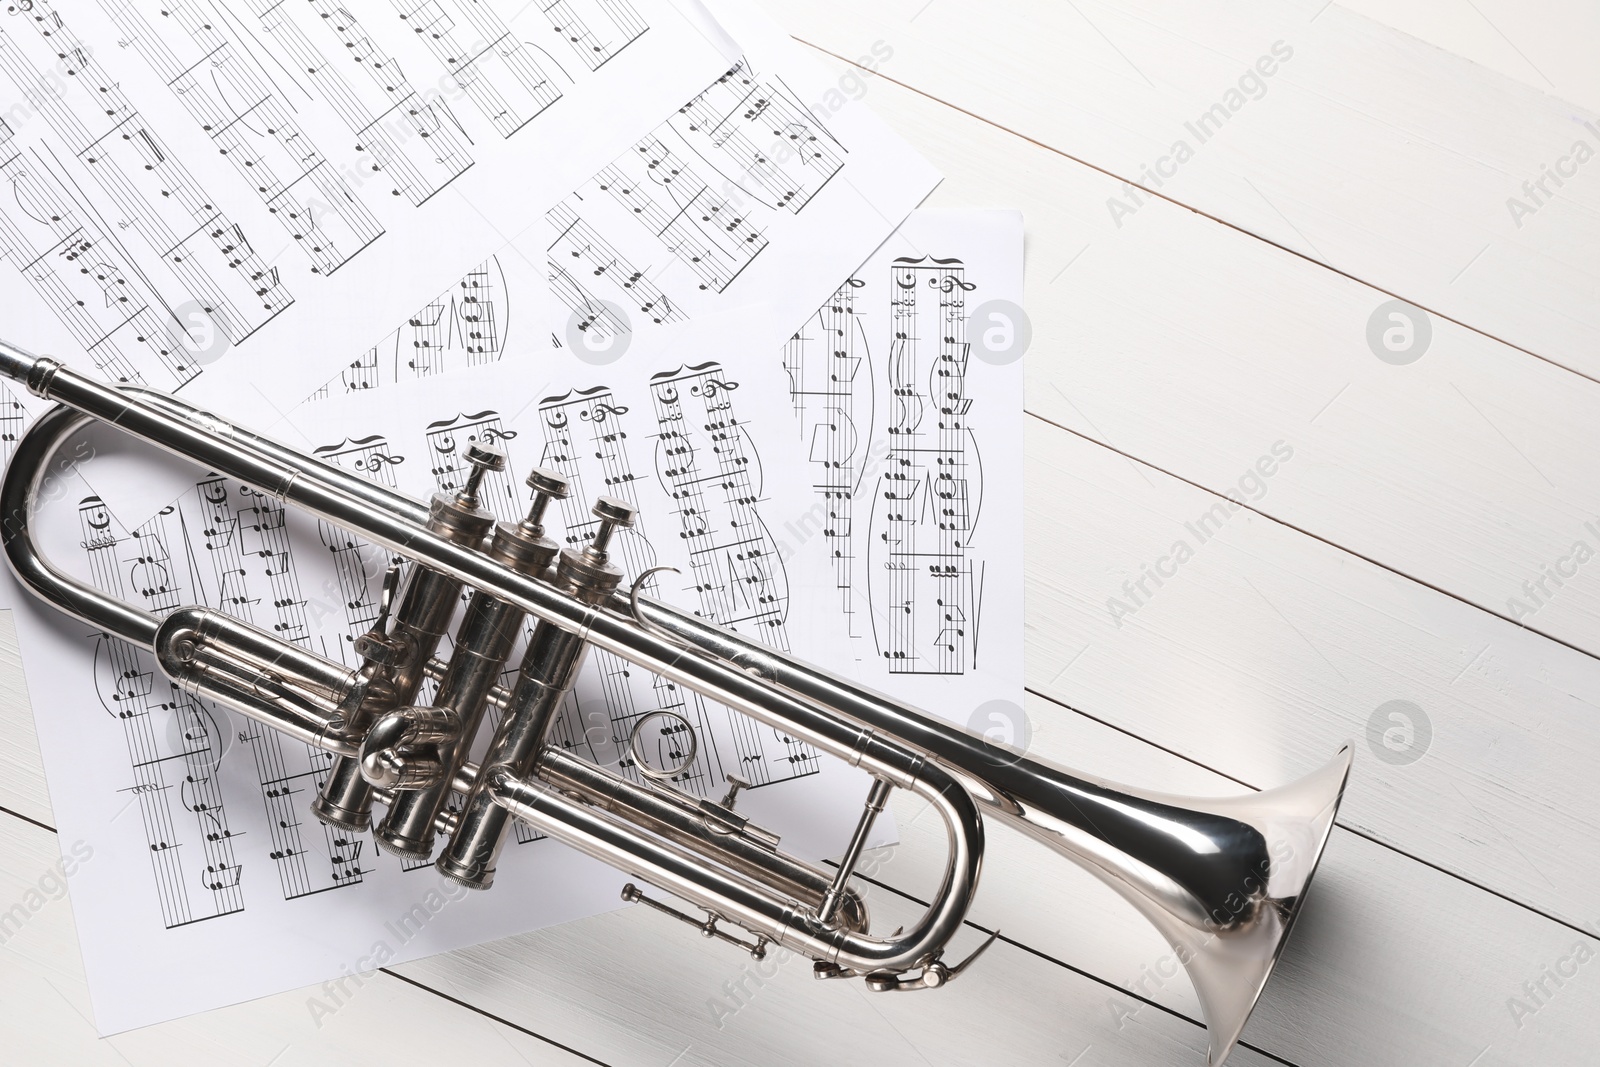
(1222, 879)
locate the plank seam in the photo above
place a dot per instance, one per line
(28, 819)
(1347, 828)
(1317, 537)
(872, 73)
(491, 1015)
(998, 936)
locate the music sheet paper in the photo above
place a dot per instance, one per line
(906, 392)
(227, 196)
(766, 187)
(210, 882)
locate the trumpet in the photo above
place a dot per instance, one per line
(1222, 879)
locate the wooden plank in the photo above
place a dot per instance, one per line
(1392, 961)
(1264, 649)
(378, 1019)
(1364, 149)
(1194, 348)
(634, 987)
(1547, 45)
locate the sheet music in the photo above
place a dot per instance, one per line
(764, 187)
(468, 325)
(212, 882)
(675, 442)
(194, 189)
(911, 430)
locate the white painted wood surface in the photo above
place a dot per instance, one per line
(1170, 353)
(1365, 149)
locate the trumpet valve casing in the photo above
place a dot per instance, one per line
(484, 641)
(345, 799)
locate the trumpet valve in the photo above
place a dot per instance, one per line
(408, 747)
(547, 485)
(613, 514)
(459, 516)
(483, 458)
(523, 546)
(588, 572)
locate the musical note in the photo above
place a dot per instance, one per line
(499, 75)
(741, 112)
(419, 151)
(596, 30)
(921, 513)
(577, 239)
(83, 277)
(155, 194)
(358, 566)
(828, 363)
(463, 326)
(167, 732)
(219, 85)
(700, 229)
(703, 459)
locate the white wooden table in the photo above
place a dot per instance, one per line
(1181, 331)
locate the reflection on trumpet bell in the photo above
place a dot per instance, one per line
(1222, 879)
(1228, 884)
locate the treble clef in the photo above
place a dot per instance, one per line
(377, 461)
(710, 387)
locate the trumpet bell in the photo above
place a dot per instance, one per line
(1233, 963)
(1224, 880)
